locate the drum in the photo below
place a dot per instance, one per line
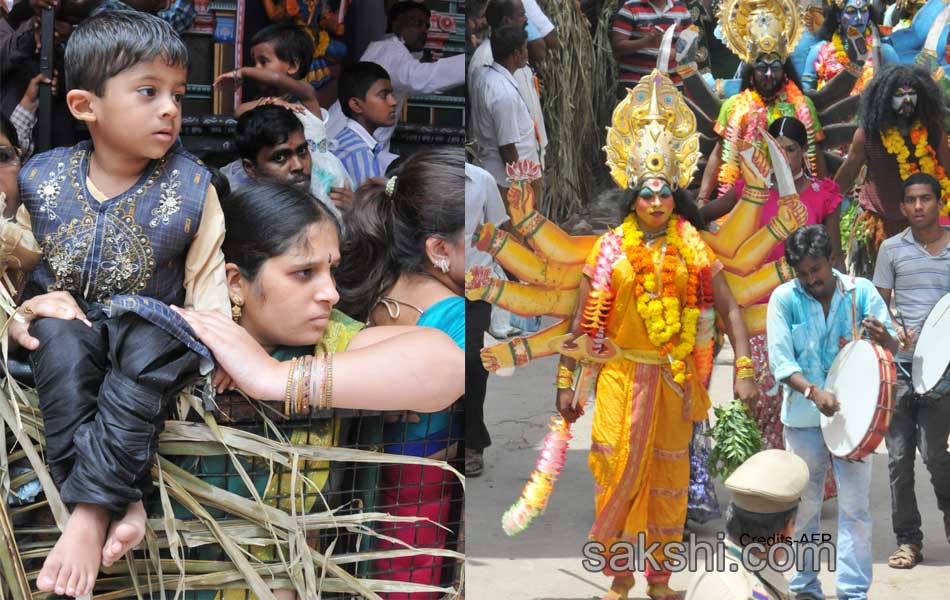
(931, 376)
(862, 378)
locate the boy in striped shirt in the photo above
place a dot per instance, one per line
(367, 100)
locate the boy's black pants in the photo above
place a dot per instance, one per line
(104, 392)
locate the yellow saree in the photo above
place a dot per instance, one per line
(643, 423)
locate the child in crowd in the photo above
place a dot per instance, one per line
(282, 55)
(367, 99)
(128, 224)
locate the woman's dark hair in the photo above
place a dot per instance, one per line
(832, 20)
(919, 178)
(791, 128)
(220, 183)
(811, 240)
(742, 525)
(386, 234)
(747, 69)
(264, 219)
(683, 205)
(9, 131)
(876, 113)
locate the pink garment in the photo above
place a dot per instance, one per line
(414, 491)
(821, 198)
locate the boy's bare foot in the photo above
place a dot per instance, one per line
(124, 534)
(72, 566)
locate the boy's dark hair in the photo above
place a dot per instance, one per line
(290, 43)
(267, 125)
(403, 7)
(111, 42)
(506, 40)
(811, 240)
(919, 178)
(9, 131)
(498, 10)
(355, 82)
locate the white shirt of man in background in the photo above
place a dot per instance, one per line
(410, 76)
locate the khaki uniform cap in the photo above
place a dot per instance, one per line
(771, 481)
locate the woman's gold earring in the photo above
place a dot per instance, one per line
(236, 303)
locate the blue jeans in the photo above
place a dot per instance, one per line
(853, 562)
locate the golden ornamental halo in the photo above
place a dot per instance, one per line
(652, 135)
(754, 27)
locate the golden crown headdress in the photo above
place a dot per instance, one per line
(652, 135)
(754, 27)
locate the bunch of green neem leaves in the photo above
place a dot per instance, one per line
(736, 438)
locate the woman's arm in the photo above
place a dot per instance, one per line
(385, 368)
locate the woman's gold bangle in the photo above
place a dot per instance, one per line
(290, 385)
(743, 362)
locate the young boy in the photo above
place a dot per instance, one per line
(128, 224)
(282, 55)
(366, 98)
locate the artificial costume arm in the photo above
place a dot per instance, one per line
(741, 223)
(792, 214)
(753, 287)
(543, 235)
(205, 281)
(524, 264)
(525, 300)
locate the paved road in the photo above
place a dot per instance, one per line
(544, 561)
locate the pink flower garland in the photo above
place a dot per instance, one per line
(534, 498)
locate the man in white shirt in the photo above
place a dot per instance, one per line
(409, 24)
(482, 205)
(500, 13)
(503, 128)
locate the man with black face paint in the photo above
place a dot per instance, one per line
(761, 34)
(847, 45)
(902, 113)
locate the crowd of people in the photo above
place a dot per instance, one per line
(817, 218)
(136, 275)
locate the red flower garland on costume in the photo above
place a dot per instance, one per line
(833, 58)
(749, 114)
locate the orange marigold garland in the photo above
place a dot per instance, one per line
(661, 308)
(925, 158)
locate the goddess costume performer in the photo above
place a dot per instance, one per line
(848, 42)
(647, 297)
(762, 33)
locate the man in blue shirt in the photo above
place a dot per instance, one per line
(809, 319)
